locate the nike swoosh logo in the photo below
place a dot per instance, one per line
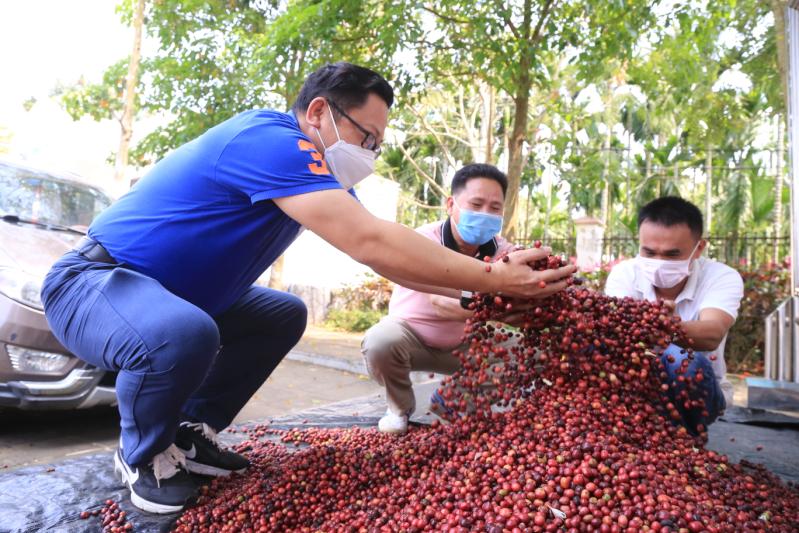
(191, 453)
(132, 476)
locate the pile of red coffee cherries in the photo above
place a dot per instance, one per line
(579, 438)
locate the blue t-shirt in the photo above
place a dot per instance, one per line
(202, 222)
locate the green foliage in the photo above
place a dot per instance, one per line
(28, 103)
(371, 292)
(764, 290)
(218, 58)
(100, 101)
(352, 320)
(761, 194)
(359, 306)
(657, 67)
(758, 57)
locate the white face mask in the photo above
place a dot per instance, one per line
(349, 163)
(663, 273)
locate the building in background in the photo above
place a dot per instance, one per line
(312, 268)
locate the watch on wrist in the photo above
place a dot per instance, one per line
(466, 299)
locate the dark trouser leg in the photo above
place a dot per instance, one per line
(118, 319)
(708, 388)
(256, 333)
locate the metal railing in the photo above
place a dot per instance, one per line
(782, 342)
(741, 250)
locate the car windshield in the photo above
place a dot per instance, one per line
(41, 197)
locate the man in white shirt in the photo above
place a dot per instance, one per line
(705, 294)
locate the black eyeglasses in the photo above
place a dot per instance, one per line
(369, 140)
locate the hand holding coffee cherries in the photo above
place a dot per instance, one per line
(531, 272)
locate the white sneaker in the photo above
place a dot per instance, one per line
(163, 486)
(393, 423)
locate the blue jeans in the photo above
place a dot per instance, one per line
(174, 360)
(709, 387)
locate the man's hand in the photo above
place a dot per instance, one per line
(671, 306)
(515, 319)
(517, 278)
(515, 316)
(708, 331)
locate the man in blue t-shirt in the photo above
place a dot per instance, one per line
(161, 290)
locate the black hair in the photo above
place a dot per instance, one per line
(346, 84)
(670, 211)
(478, 170)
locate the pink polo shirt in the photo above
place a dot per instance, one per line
(416, 310)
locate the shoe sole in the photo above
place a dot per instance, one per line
(392, 431)
(208, 470)
(124, 475)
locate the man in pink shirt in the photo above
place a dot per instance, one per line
(424, 325)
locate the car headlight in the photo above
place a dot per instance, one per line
(21, 287)
(29, 360)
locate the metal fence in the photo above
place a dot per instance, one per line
(742, 250)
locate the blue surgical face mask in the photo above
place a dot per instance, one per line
(477, 228)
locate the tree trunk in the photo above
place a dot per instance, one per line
(276, 274)
(605, 201)
(515, 161)
(609, 119)
(708, 189)
(604, 204)
(778, 192)
(628, 191)
(521, 102)
(487, 124)
(502, 160)
(548, 193)
(528, 202)
(129, 107)
(676, 177)
(778, 9)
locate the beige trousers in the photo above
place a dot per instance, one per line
(392, 351)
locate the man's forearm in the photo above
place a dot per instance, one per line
(421, 287)
(398, 253)
(401, 253)
(706, 334)
(449, 308)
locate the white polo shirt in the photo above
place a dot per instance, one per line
(710, 285)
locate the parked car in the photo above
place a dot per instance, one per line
(43, 216)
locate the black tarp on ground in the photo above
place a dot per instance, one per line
(51, 498)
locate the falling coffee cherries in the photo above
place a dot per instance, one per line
(565, 424)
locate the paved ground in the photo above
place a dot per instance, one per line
(333, 349)
(30, 438)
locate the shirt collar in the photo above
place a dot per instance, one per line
(294, 118)
(448, 239)
(688, 292)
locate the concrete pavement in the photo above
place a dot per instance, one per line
(31, 438)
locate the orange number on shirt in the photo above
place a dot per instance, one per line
(318, 166)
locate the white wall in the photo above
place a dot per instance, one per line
(310, 261)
